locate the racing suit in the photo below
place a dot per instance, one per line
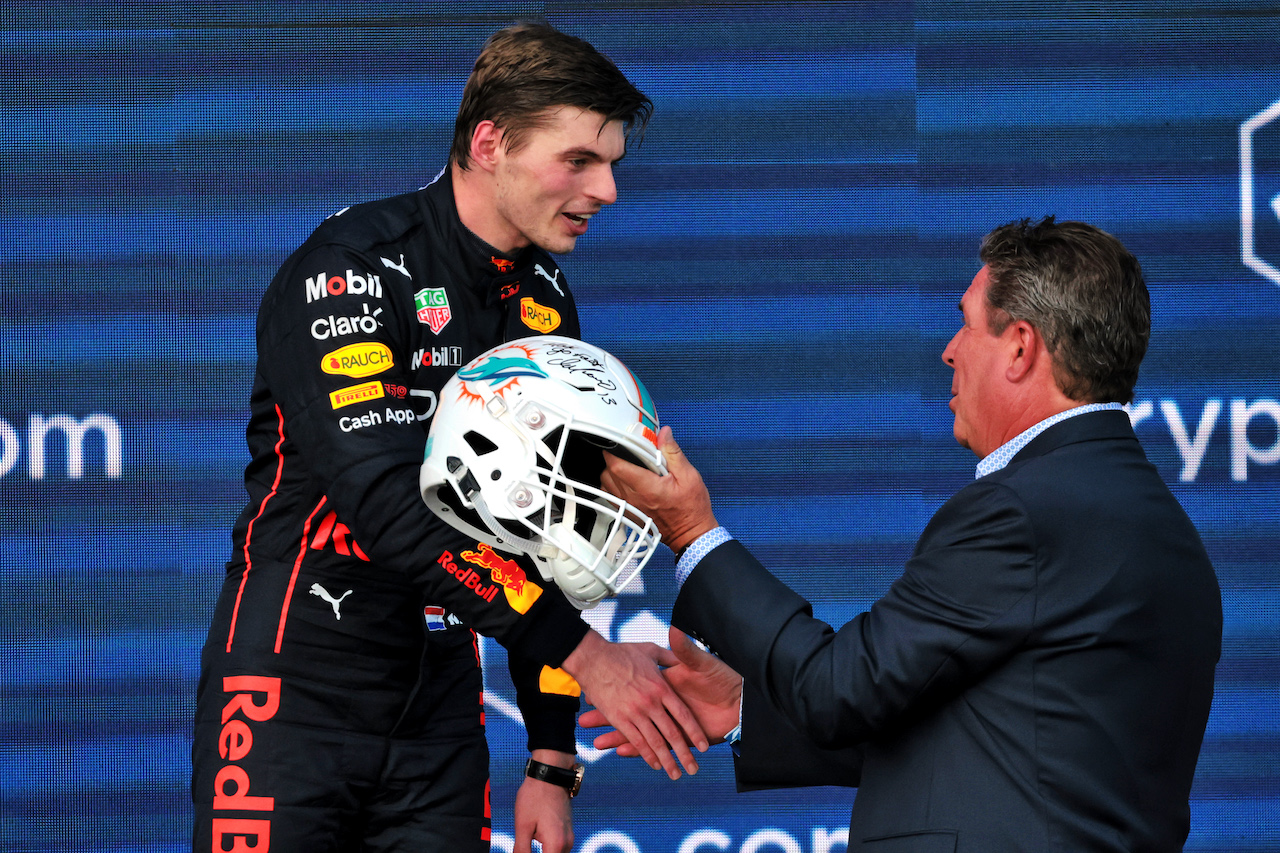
(340, 696)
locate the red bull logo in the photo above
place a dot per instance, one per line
(231, 785)
(521, 593)
(468, 577)
(502, 264)
(503, 571)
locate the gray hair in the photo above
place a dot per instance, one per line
(1084, 292)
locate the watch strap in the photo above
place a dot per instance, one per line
(568, 778)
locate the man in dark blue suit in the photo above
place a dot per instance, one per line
(1039, 677)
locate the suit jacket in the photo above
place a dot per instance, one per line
(1038, 679)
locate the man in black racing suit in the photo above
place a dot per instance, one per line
(340, 698)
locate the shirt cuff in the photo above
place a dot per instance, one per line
(699, 548)
(735, 734)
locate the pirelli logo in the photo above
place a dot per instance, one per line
(353, 394)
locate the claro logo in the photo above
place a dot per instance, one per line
(52, 438)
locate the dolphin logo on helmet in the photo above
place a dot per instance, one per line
(497, 369)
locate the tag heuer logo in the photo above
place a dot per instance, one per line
(433, 307)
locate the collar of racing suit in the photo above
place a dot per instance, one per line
(493, 275)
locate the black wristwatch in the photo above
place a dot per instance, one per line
(570, 779)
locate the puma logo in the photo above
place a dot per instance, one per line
(400, 267)
(316, 589)
(540, 271)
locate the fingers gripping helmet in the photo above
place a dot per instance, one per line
(514, 459)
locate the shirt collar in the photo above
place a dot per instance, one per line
(493, 274)
(1004, 454)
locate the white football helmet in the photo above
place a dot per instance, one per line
(514, 459)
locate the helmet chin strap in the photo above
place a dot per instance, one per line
(529, 546)
(470, 490)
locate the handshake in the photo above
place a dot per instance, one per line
(707, 686)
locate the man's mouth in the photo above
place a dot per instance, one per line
(578, 222)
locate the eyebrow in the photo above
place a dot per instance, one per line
(588, 154)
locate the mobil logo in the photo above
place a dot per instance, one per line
(1260, 193)
(322, 285)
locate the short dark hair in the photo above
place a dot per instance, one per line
(527, 69)
(1084, 292)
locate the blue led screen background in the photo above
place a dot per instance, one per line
(782, 269)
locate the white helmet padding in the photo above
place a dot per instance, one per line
(514, 459)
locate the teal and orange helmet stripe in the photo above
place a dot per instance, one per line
(648, 413)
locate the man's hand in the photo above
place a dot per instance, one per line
(678, 503)
(542, 809)
(709, 686)
(624, 683)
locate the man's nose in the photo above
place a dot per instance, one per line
(948, 352)
(603, 188)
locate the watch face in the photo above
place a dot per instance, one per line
(578, 770)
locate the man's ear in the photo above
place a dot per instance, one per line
(1026, 349)
(486, 144)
